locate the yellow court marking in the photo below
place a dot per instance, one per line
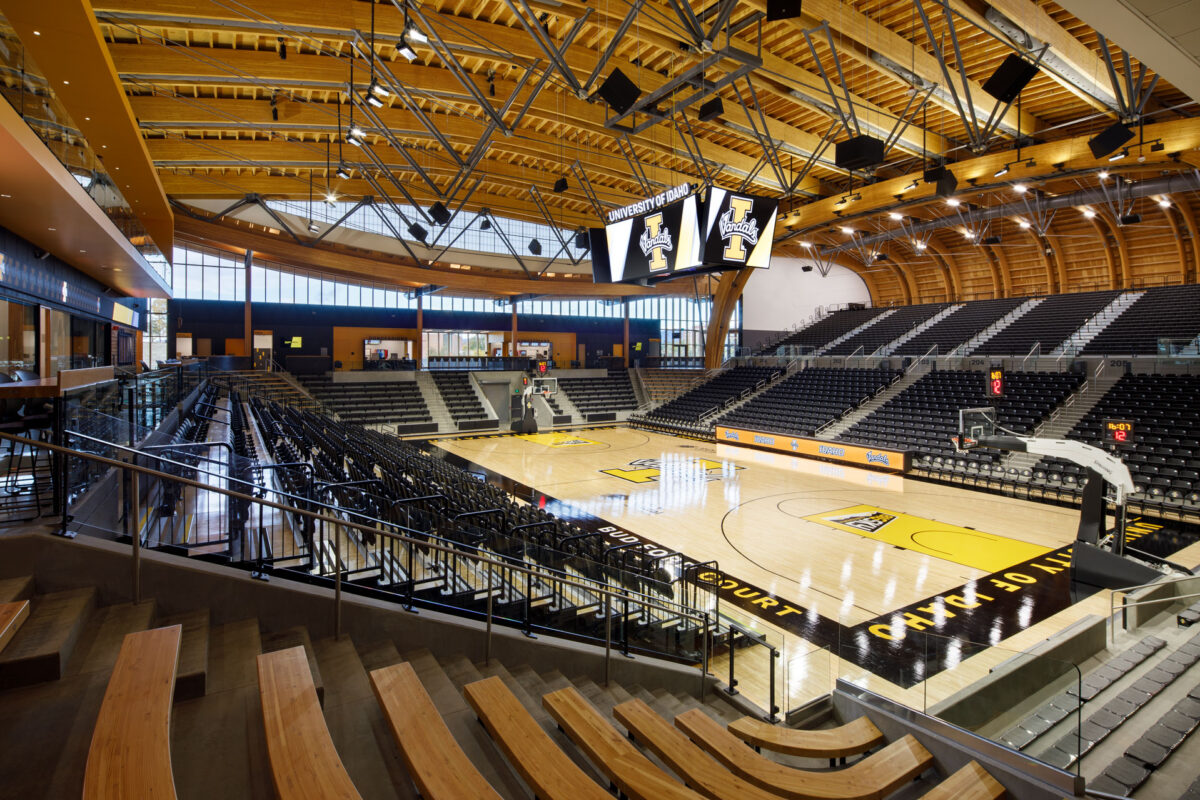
(978, 549)
(557, 439)
(676, 468)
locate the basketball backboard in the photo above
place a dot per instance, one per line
(544, 385)
(973, 425)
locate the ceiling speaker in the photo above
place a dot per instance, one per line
(1130, 219)
(417, 232)
(946, 184)
(582, 239)
(440, 214)
(1109, 139)
(934, 174)
(782, 9)
(1010, 78)
(619, 92)
(858, 152)
(711, 110)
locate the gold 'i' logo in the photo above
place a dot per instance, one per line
(739, 207)
(658, 260)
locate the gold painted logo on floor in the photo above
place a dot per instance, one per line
(557, 439)
(679, 468)
(972, 548)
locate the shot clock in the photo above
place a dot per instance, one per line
(995, 382)
(1119, 432)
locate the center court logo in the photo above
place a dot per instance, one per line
(870, 522)
(655, 242)
(652, 470)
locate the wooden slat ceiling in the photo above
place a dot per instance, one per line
(224, 113)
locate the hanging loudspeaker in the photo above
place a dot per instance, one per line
(535, 247)
(1010, 78)
(619, 92)
(858, 152)
(946, 184)
(440, 214)
(782, 9)
(711, 110)
(1109, 139)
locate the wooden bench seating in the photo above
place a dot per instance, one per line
(304, 762)
(130, 753)
(856, 736)
(437, 765)
(873, 777)
(689, 762)
(538, 760)
(622, 763)
(12, 615)
(972, 782)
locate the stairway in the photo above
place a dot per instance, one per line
(435, 404)
(787, 373)
(997, 326)
(1090, 329)
(853, 332)
(840, 426)
(891, 347)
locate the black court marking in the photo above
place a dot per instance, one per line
(960, 622)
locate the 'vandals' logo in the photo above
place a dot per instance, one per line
(871, 522)
(656, 242)
(651, 470)
(737, 229)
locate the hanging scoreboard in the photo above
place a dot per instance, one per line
(677, 233)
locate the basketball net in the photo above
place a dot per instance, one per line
(963, 443)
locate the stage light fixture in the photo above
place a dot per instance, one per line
(1157, 147)
(919, 245)
(354, 137)
(331, 198)
(373, 101)
(1089, 213)
(1000, 172)
(406, 50)
(414, 34)
(379, 89)
(342, 172)
(313, 227)
(1119, 155)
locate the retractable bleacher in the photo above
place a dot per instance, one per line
(887, 330)
(1049, 324)
(803, 402)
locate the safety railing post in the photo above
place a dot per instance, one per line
(704, 645)
(487, 644)
(337, 588)
(732, 669)
(135, 518)
(774, 709)
(607, 637)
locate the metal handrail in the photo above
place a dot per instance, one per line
(1125, 604)
(701, 618)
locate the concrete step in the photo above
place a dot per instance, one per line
(461, 721)
(191, 676)
(13, 589)
(357, 725)
(379, 654)
(101, 640)
(218, 748)
(232, 651)
(297, 637)
(41, 649)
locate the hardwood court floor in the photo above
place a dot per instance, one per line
(837, 543)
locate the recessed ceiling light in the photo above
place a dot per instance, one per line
(806, 244)
(1164, 202)
(66, 83)
(1087, 212)
(37, 33)
(1024, 224)
(896, 215)
(1104, 175)
(87, 119)
(117, 269)
(83, 251)
(847, 231)
(1019, 188)
(6, 196)
(953, 201)
(53, 229)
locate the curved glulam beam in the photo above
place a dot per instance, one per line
(1189, 219)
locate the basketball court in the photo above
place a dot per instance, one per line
(819, 555)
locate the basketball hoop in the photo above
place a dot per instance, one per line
(963, 443)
